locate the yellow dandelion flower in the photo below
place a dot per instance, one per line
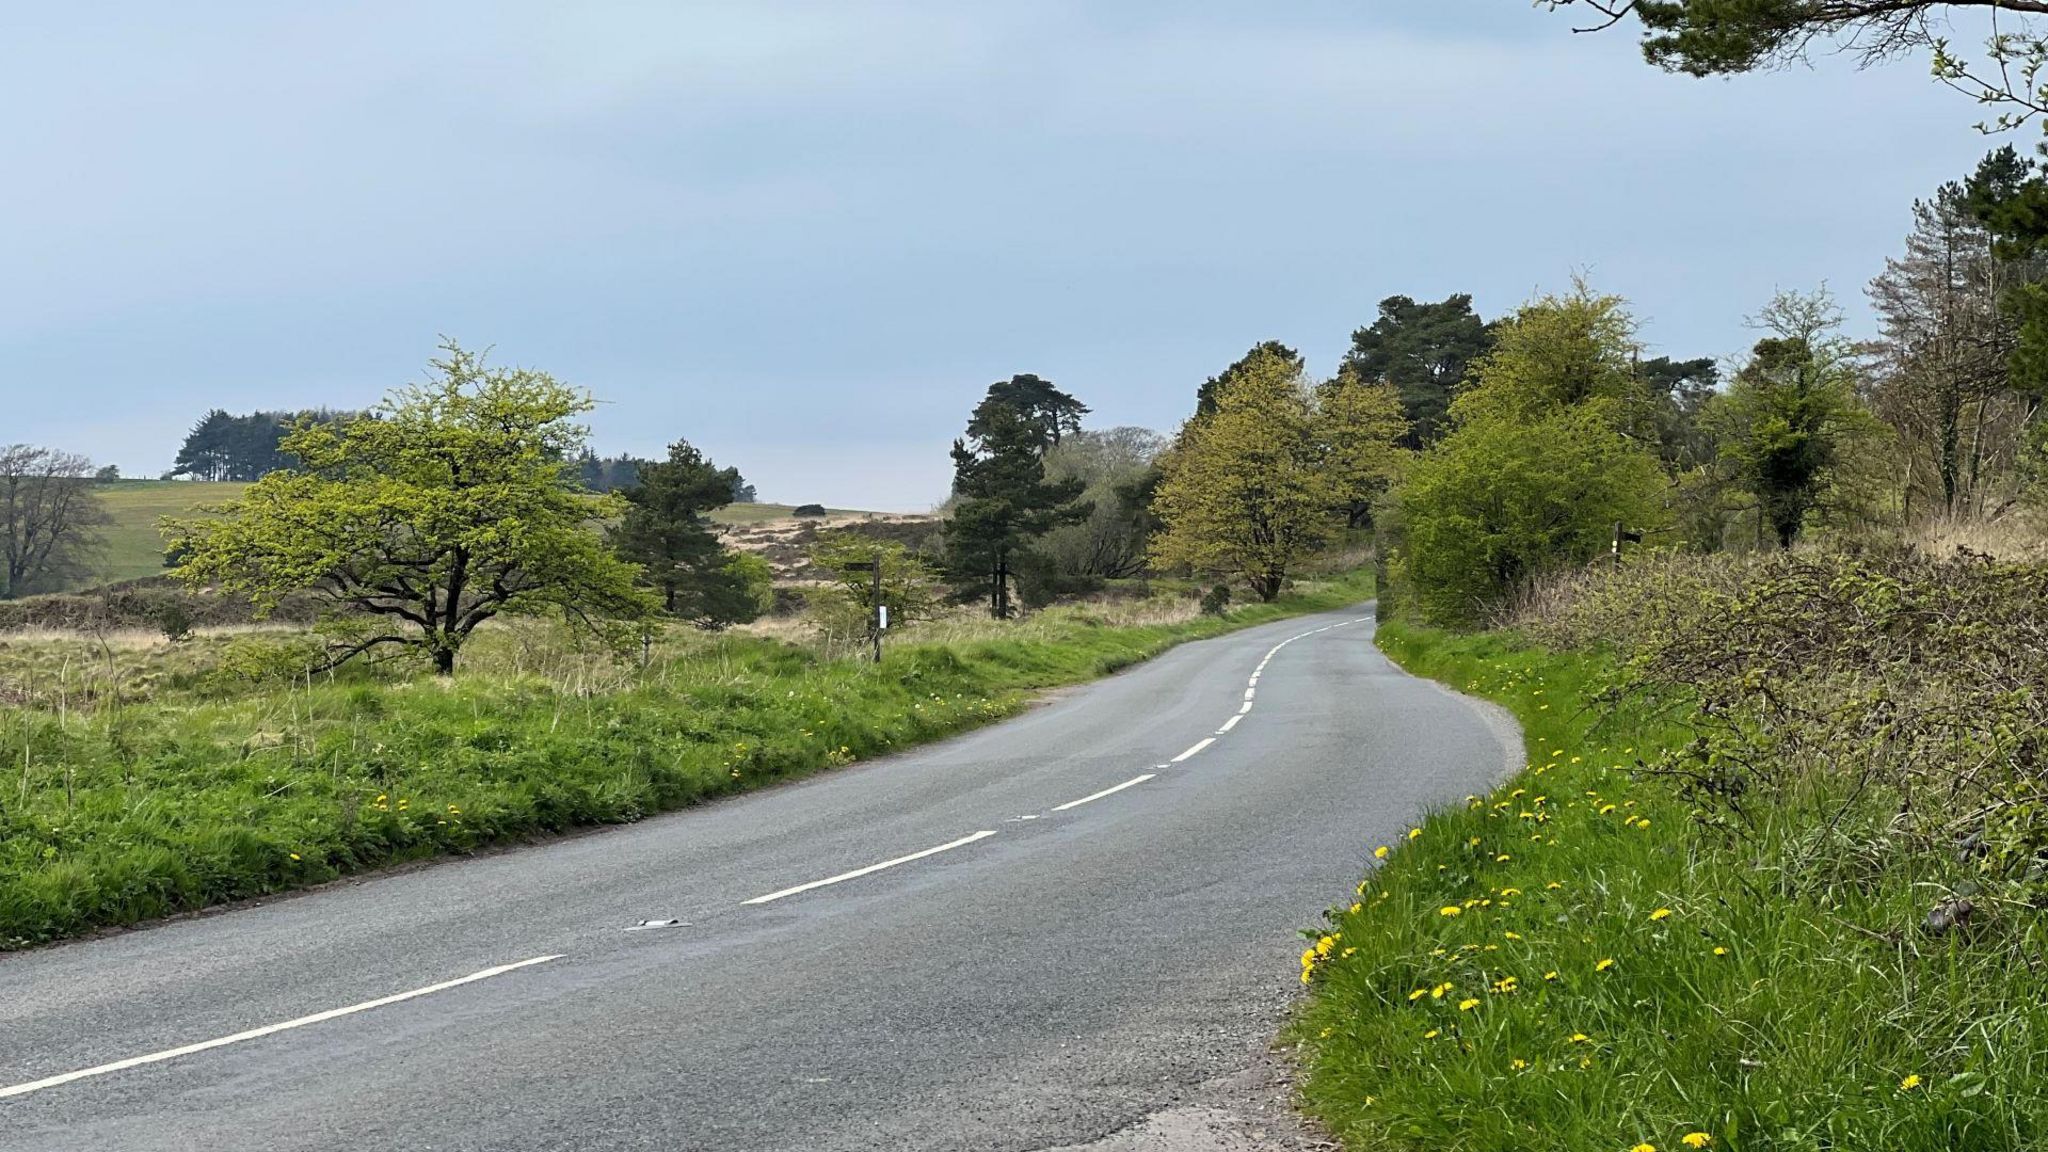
(1414, 832)
(1661, 914)
(1437, 993)
(1418, 994)
(1695, 1139)
(1468, 1003)
(1553, 886)
(1910, 1082)
(1644, 1147)
(1380, 853)
(1581, 1038)
(1450, 910)
(295, 855)
(1604, 965)
(1518, 1063)
(1720, 951)
(1512, 935)
(1550, 975)
(1432, 1034)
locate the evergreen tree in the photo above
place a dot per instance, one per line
(1004, 502)
(1425, 351)
(665, 531)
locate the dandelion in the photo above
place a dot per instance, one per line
(295, 855)
(1553, 886)
(1661, 914)
(1432, 1034)
(1380, 853)
(1720, 951)
(1414, 832)
(1581, 1038)
(1512, 935)
(1502, 858)
(1437, 993)
(1604, 965)
(1418, 994)
(1643, 1147)
(1468, 1003)
(1518, 1063)
(1911, 1082)
(1450, 910)
(1642, 823)
(1548, 976)
(1695, 1139)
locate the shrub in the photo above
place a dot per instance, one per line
(1216, 601)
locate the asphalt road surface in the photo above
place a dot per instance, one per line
(1037, 935)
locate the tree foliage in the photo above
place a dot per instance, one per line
(1054, 414)
(50, 519)
(1362, 429)
(448, 510)
(908, 585)
(1119, 471)
(227, 447)
(664, 531)
(1003, 501)
(1246, 489)
(1791, 411)
(1424, 350)
(1546, 454)
(1259, 358)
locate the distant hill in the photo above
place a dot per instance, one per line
(134, 549)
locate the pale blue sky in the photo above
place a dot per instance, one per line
(807, 236)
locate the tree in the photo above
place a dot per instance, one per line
(449, 510)
(1003, 501)
(1944, 358)
(1550, 447)
(227, 447)
(1679, 391)
(665, 532)
(1119, 472)
(1052, 412)
(1790, 410)
(1727, 37)
(1361, 429)
(848, 606)
(1258, 358)
(1499, 502)
(1245, 489)
(1425, 351)
(50, 519)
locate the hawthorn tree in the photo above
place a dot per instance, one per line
(452, 508)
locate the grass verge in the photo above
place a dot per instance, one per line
(213, 791)
(1578, 961)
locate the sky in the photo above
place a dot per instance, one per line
(807, 236)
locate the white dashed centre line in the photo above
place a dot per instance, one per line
(872, 868)
(267, 1030)
(1204, 742)
(1230, 723)
(1135, 780)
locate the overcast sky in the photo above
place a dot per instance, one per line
(807, 236)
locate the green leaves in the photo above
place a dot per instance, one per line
(446, 507)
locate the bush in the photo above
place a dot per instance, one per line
(808, 512)
(174, 620)
(1216, 601)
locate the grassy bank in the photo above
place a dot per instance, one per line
(1581, 961)
(222, 777)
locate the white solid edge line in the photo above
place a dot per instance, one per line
(1230, 723)
(1135, 780)
(1201, 744)
(859, 872)
(255, 1033)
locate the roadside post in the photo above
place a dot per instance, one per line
(878, 612)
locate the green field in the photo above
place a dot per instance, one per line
(134, 548)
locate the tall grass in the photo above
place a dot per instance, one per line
(223, 776)
(1580, 960)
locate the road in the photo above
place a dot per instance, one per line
(1047, 959)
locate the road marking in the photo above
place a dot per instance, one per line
(1203, 743)
(1230, 723)
(269, 1029)
(1250, 692)
(1105, 792)
(859, 872)
(1247, 707)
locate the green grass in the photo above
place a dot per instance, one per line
(1561, 1006)
(135, 549)
(222, 781)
